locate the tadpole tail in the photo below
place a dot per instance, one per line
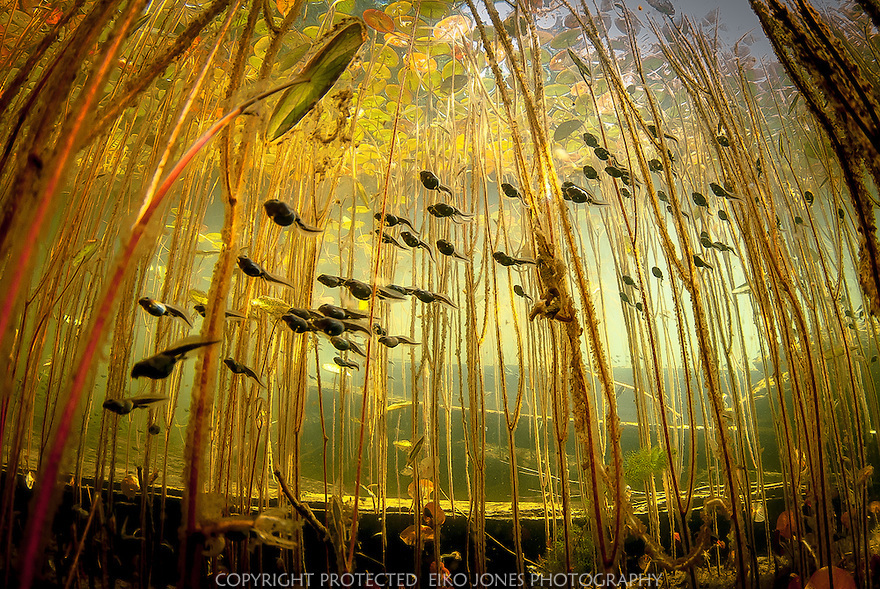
(276, 280)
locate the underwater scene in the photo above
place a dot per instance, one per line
(527, 293)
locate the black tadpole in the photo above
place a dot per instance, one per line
(331, 281)
(506, 260)
(699, 263)
(254, 270)
(520, 292)
(652, 129)
(126, 406)
(158, 309)
(329, 325)
(358, 289)
(414, 242)
(329, 310)
(162, 364)
(443, 210)
(432, 182)
(447, 249)
(430, 297)
(297, 324)
(238, 368)
(345, 363)
(510, 190)
(392, 341)
(392, 220)
(285, 216)
(202, 310)
(388, 239)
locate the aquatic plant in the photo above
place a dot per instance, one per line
(642, 465)
(582, 553)
(650, 259)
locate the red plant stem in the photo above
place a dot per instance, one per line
(65, 152)
(94, 338)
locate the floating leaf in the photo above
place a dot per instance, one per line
(342, 7)
(559, 62)
(318, 76)
(457, 83)
(556, 90)
(452, 28)
(378, 20)
(566, 128)
(452, 68)
(435, 512)
(566, 39)
(433, 9)
(397, 39)
(396, 9)
(569, 77)
(387, 57)
(838, 578)
(410, 534)
(283, 5)
(425, 486)
(421, 63)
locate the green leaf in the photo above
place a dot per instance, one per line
(86, 252)
(584, 69)
(318, 76)
(431, 9)
(566, 39)
(566, 128)
(198, 296)
(271, 305)
(556, 90)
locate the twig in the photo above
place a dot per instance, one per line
(303, 509)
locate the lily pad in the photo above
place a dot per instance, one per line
(318, 76)
(566, 39)
(456, 82)
(396, 9)
(452, 28)
(433, 9)
(566, 128)
(378, 20)
(559, 62)
(452, 68)
(568, 77)
(387, 57)
(397, 39)
(556, 90)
